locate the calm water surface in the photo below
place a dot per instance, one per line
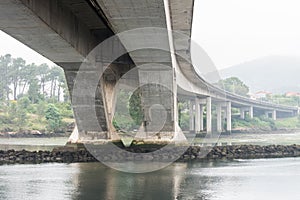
(32, 144)
(242, 180)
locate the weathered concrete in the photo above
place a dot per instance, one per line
(201, 118)
(228, 111)
(242, 113)
(208, 116)
(65, 31)
(197, 116)
(191, 114)
(127, 15)
(219, 118)
(251, 112)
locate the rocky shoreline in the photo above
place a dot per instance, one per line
(193, 153)
(32, 134)
(265, 131)
(43, 134)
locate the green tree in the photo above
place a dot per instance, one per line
(135, 108)
(42, 73)
(61, 84)
(24, 102)
(54, 76)
(12, 110)
(5, 66)
(234, 85)
(183, 116)
(34, 91)
(15, 73)
(27, 76)
(53, 118)
(21, 117)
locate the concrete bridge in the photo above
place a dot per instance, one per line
(66, 31)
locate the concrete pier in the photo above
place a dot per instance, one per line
(208, 116)
(219, 118)
(67, 31)
(191, 116)
(228, 115)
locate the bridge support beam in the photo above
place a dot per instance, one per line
(242, 113)
(246, 109)
(197, 116)
(219, 118)
(191, 113)
(251, 112)
(274, 115)
(201, 118)
(208, 116)
(228, 112)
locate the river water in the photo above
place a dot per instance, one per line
(236, 180)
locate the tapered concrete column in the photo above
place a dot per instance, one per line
(267, 114)
(219, 118)
(228, 111)
(242, 113)
(197, 115)
(191, 108)
(201, 118)
(274, 115)
(251, 112)
(208, 115)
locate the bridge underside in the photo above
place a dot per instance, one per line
(66, 31)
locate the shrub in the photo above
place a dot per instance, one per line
(53, 118)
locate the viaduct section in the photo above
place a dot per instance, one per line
(66, 31)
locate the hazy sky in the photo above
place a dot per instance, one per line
(230, 31)
(235, 31)
(17, 49)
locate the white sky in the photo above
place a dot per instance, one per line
(236, 31)
(230, 31)
(9, 45)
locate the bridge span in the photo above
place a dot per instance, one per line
(66, 31)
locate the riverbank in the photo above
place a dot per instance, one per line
(43, 134)
(33, 134)
(193, 153)
(264, 131)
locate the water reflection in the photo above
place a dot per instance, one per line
(106, 183)
(48, 181)
(252, 179)
(32, 144)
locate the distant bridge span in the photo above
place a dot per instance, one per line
(65, 31)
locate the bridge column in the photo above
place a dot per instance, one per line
(228, 111)
(201, 118)
(246, 109)
(208, 115)
(197, 115)
(219, 118)
(267, 114)
(274, 115)
(191, 111)
(242, 113)
(251, 112)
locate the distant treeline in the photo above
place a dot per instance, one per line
(17, 78)
(33, 97)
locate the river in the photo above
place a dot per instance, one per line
(241, 179)
(267, 138)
